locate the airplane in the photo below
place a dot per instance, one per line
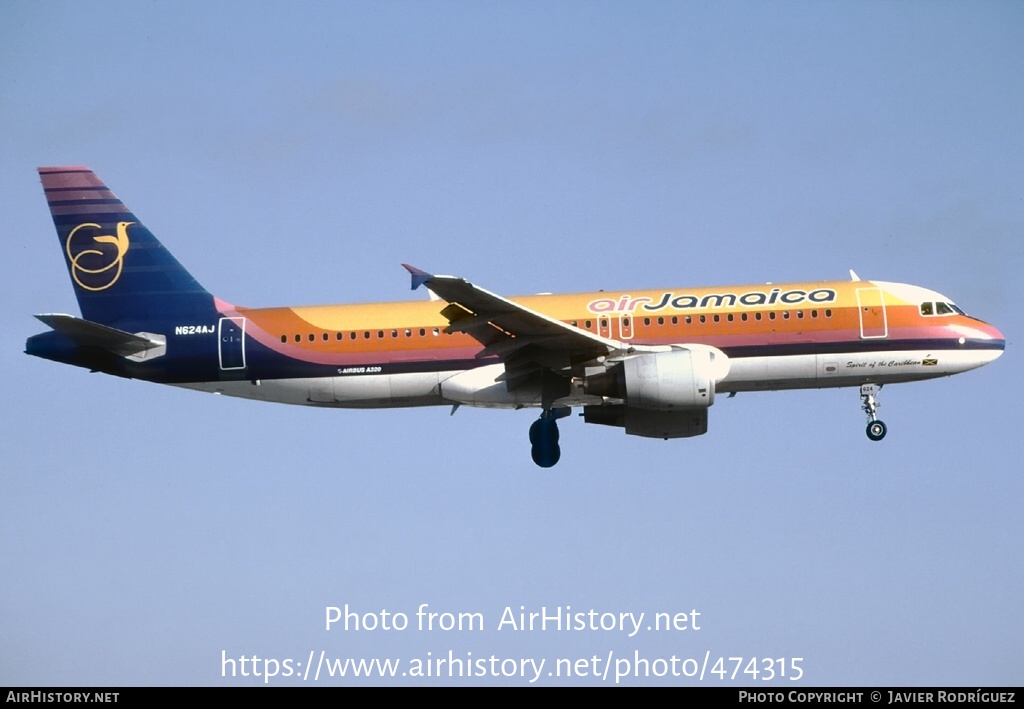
(648, 361)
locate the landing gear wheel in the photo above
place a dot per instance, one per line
(546, 457)
(544, 436)
(544, 439)
(541, 429)
(876, 430)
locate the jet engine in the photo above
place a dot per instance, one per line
(664, 394)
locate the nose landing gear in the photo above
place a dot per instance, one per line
(544, 437)
(876, 429)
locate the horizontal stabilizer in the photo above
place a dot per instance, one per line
(90, 334)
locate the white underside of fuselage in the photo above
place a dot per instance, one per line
(365, 391)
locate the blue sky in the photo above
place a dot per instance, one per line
(297, 154)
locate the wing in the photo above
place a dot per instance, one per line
(529, 343)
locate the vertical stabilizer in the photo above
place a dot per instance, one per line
(119, 270)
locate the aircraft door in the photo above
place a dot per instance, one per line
(625, 326)
(231, 342)
(871, 309)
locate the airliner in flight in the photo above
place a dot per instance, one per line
(648, 361)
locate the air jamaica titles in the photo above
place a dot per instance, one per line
(686, 301)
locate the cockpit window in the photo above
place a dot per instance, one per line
(940, 308)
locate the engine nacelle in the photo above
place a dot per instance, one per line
(661, 381)
(648, 423)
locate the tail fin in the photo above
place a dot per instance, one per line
(119, 270)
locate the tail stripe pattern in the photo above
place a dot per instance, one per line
(120, 271)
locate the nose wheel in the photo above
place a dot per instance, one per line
(544, 437)
(876, 429)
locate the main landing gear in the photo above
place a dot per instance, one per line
(869, 403)
(544, 437)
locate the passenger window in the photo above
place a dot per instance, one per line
(326, 337)
(284, 338)
(675, 320)
(312, 337)
(647, 321)
(298, 338)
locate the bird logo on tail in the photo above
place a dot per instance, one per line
(97, 264)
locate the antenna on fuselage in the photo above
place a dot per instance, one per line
(854, 276)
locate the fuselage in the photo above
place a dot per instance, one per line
(775, 336)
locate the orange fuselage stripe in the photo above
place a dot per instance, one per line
(410, 326)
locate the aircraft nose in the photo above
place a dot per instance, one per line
(1002, 340)
(988, 341)
(995, 335)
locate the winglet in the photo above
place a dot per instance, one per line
(418, 277)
